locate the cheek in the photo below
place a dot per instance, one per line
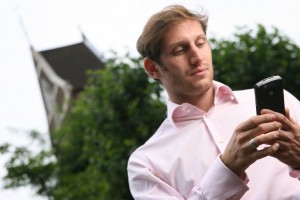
(208, 58)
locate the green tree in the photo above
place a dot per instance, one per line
(27, 166)
(252, 55)
(117, 111)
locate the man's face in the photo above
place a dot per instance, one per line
(186, 62)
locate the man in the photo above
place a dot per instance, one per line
(202, 150)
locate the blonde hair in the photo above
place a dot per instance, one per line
(149, 43)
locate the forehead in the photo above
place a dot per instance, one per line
(183, 31)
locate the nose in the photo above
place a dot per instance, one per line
(196, 56)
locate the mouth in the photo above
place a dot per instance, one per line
(199, 71)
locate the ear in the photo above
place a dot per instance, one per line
(152, 68)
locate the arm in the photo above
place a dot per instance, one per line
(218, 183)
(224, 178)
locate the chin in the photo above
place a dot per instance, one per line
(206, 80)
(206, 83)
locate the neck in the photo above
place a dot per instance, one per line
(203, 101)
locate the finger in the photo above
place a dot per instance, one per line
(285, 136)
(285, 121)
(255, 121)
(267, 151)
(266, 128)
(284, 146)
(286, 140)
(269, 138)
(268, 111)
(253, 144)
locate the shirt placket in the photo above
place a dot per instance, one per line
(216, 134)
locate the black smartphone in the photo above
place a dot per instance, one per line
(269, 95)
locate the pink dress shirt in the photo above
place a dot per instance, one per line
(181, 160)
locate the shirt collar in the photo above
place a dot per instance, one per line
(223, 93)
(175, 111)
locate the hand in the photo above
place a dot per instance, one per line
(239, 154)
(289, 140)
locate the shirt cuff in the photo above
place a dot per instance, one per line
(220, 182)
(294, 173)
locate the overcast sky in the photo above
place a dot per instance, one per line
(109, 25)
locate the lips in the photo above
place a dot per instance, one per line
(199, 71)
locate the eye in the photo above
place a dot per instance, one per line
(179, 50)
(200, 43)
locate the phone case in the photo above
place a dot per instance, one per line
(269, 95)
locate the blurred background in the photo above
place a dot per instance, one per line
(33, 28)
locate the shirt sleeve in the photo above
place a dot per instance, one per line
(219, 183)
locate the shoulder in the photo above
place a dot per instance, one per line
(162, 131)
(293, 104)
(244, 95)
(244, 92)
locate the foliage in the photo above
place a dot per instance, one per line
(120, 108)
(27, 167)
(252, 56)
